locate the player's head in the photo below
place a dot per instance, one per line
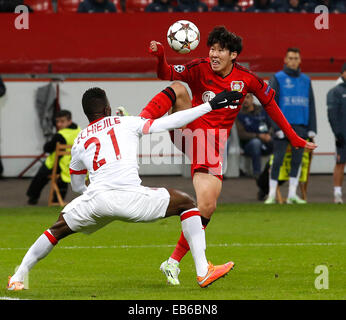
(224, 47)
(95, 104)
(292, 58)
(63, 119)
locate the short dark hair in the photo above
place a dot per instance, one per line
(225, 39)
(94, 101)
(293, 49)
(64, 113)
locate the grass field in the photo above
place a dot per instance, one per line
(275, 248)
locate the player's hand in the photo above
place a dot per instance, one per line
(224, 99)
(310, 146)
(156, 48)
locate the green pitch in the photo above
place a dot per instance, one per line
(275, 248)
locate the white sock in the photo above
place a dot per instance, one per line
(337, 190)
(273, 184)
(292, 189)
(195, 236)
(172, 261)
(37, 251)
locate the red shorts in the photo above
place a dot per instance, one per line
(203, 146)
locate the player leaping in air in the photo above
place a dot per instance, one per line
(207, 77)
(107, 149)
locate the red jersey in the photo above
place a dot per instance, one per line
(205, 84)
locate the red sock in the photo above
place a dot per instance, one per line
(182, 248)
(159, 105)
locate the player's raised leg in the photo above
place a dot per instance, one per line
(193, 231)
(171, 99)
(39, 250)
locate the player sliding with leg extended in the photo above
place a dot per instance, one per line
(107, 149)
(207, 77)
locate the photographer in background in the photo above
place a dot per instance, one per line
(67, 132)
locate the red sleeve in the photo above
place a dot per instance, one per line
(260, 89)
(265, 94)
(275, 113)
(167, 71)
(164, 70)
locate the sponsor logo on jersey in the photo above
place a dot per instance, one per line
(207, 96)
(179, 68)
(237, 86)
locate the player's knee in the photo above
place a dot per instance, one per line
(179, 89)
(60, 229)
(207, 209)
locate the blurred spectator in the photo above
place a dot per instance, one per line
(2, 93)
(336, 102)
(294, 6)
(253, 126)
(96, 6)
(10, 5)
(295, 97)
(191, 6)
(334, 6)
(279, 5)
(160, 6)
(227, 5)
(261, 6)
(67, 131)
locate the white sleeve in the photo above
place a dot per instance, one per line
(78, 183)
(77, 172)
(176, 120)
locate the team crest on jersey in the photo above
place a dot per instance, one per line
(207, 96)
(237, 86)
(179, 68)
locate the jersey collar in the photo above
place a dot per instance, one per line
(97, 120)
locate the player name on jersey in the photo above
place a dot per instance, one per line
(97, 126)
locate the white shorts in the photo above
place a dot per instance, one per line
(135, 204)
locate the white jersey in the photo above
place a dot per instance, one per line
(107, 149)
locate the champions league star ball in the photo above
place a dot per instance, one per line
(183, 36)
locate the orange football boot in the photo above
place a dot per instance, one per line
(214, 273)
(14, 286)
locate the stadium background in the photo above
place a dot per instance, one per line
(111, 51)
(276, 248)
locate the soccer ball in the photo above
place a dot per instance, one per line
(183, 36)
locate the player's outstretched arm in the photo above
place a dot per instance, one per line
(164, 70)
(182, 118)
